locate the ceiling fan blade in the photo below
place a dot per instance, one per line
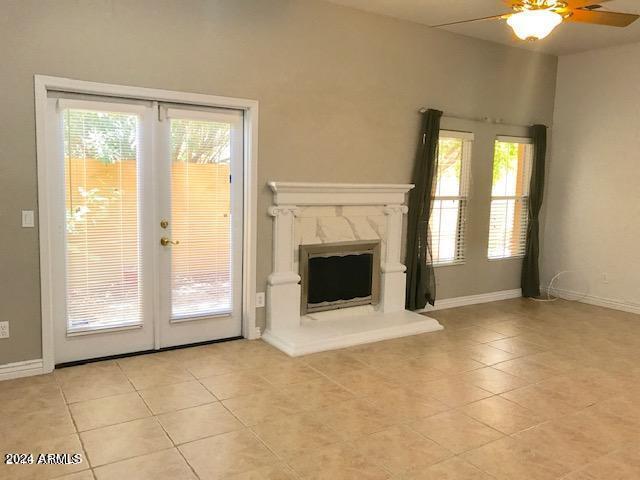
(570, 3)
(584, 3)
(494, 17)
(600, 17)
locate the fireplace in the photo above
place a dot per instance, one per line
(339, 275)
(335, 246)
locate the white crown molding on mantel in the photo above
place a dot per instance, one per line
(347, 211)
(308, 194)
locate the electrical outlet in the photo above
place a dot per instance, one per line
(605, 278)
(259, 299)
(4, 329)
(28, 219)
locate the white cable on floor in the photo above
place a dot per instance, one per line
(551, 298)
(549, 287)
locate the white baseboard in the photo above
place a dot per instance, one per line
(26, 368)
(257, 333)
(473, 299)
(595, 300)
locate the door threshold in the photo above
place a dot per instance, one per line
(75, 363)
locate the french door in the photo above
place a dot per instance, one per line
(147, 209)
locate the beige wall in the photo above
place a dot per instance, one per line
(338, 91)
(593, 196)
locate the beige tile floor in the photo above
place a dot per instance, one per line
(509, 390)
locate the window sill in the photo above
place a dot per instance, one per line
(101, 329)
(515, 257)
(450, 264)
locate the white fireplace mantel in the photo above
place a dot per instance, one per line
(315, 213)
(299, 193)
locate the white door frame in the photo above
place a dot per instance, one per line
(43, 84)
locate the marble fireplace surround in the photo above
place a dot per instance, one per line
(317, 213)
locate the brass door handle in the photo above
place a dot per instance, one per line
(165, 242)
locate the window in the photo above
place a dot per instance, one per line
(512, 161)
(101, 161)
(447, 221)
(201, 268)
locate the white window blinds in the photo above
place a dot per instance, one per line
(448, 215)
(103, 281)
(201, 264)
(512, 162)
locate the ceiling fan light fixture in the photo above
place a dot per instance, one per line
(534, 24)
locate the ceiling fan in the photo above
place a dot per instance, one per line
(535, 19)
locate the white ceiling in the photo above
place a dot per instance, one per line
(567, 38)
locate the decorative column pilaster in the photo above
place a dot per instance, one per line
(393, 281)
(283, 285)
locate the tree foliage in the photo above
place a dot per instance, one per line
(113, 137)
(505, 160)
(199, 141)
(449, 156)
(108, 137)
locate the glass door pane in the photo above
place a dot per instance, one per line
(201, 264)
(103, 261)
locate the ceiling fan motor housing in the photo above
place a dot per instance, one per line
(557, 6)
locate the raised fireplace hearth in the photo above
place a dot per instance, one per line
(337, 278)
(339, 275)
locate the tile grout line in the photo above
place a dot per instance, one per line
(152, 415)
(248, 428)
(211, 436)
(175, 447)
(75, 426)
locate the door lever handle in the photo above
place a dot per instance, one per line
(165, 242)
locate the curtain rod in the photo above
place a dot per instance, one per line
(494, 121)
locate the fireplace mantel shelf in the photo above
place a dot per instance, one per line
(301, 193)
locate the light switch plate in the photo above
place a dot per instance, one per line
(259, 299)
(4, 329)
(28, 220)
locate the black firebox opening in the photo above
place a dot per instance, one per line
(339, 277)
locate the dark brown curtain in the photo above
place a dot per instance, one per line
(530, 272)
(421, 281)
